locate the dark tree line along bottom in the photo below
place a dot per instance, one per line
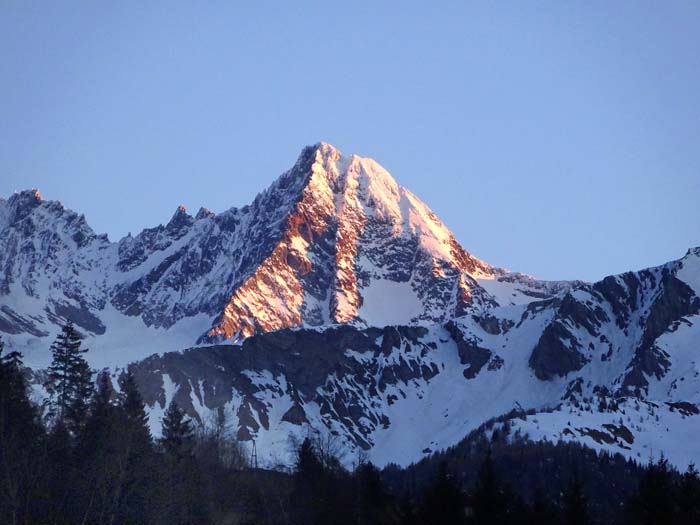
(87, 456)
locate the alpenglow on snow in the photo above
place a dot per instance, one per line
(339, 302)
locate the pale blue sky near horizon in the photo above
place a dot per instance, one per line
(560, 139)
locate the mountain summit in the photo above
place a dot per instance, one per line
(338, 303)
(333, 240)
(354, 247)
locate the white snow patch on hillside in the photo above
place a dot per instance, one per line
(439, 413)
(681, 344)
(389, 303)
(656, 431)
(157, 411)
(506, 293)
(126, 339)
(690, 273)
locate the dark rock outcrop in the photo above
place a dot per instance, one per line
(556, 353)
(674, 301)
(469, 352)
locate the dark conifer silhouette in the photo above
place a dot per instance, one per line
(689, 497)
(21, 442)
(182, 495)
(575, 503)
(374, 504)
(489, 500)
(69, 380)
(134, 407)
(654, 502)
(178, 433)
(444, 502)
(542, 512)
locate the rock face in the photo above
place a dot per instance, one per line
(584, 361)
(338, 302)
(275, 386)
(353, 235)
(334, 240)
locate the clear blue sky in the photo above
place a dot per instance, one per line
(560, 139)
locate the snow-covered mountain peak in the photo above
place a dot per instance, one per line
(335, 239)
(351, 239)
(365, 186)
(204, 213)
(692, 252)
(325, 150)
(21, 204)
(388, 317)
(689, 269)
(29, 213)
(180, 221)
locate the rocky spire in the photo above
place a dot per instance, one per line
(21, 204)
(180, 221)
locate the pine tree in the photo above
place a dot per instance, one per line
(97, 455)
(184, 500)
(69, 380)
(444, 504)
(575, 503)
(372, 498)
(489, 500)
(309, 494)
(689, 496)
(21, 442)
(653, 502)
(308, 465)
(178, 434)
(134, 407)
(134, 476)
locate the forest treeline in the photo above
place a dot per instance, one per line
(87, 456)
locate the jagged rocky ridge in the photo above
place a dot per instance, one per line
(591, 362)
(333, 240)
(314, 270)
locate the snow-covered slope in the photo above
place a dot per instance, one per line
(614, 364)
(334, 240)
(304, 281)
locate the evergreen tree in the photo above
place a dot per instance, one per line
(444, 503)
(373, 501)
(308, 465)
(21, 443)
(489, 500)
(134, 407)
(689, 497)
(182, 499)
(309, 502)
(541, 512)
(69, 380)
(98, 455)
(575, 503)
(178, 434)
(135, 473)
(654, 500)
